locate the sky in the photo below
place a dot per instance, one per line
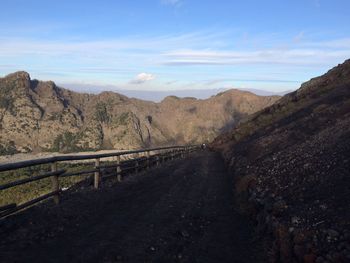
(174, 44)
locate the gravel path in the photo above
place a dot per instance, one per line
(180, 212)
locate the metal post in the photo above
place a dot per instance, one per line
(55, 183)
(119, 170)
(97, 174)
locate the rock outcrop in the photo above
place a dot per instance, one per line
(291, 163)
(39, 116)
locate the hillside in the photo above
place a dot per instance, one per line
(40, 116)
(291, 164)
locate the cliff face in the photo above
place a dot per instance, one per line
(291, 163)
(39, 116)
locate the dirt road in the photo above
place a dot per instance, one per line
(180, 212)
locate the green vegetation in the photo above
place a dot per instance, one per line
(68, 142)
(101, 112)
(26, 192)
(8, 149)
(122, 119)
(6, 100)
(7, 103)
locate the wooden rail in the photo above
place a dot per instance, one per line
(31, 179)
(151, 157)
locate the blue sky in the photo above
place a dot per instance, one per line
(174, 44)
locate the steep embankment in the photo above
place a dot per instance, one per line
(291, 163)
(39, 116)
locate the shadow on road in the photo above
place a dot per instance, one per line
(180, 212)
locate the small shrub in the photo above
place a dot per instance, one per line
(123, 118)
(101, 112)
(8, 149)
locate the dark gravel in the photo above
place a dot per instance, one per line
(180, 212)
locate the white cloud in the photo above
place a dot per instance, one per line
(142, 78)
(199, 48)
(291, 56)
(115, 60)
(115, 47)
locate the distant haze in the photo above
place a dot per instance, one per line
(157, 96)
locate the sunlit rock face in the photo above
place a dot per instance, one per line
(39, 116)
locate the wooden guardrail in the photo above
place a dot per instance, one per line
(144, 160)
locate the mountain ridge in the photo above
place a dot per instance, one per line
(40, 116)
(158, 96)
(290, 162)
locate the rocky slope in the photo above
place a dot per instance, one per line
(39, 116)
(291, 163)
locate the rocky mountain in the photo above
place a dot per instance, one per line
(40, 116)
(291, 164)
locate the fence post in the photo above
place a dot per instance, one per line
(55, 183)
(164, 157)
(172, 155)
(157, 158)
(148, 159)
(119, 170)
(137, 163)
(97, 174)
